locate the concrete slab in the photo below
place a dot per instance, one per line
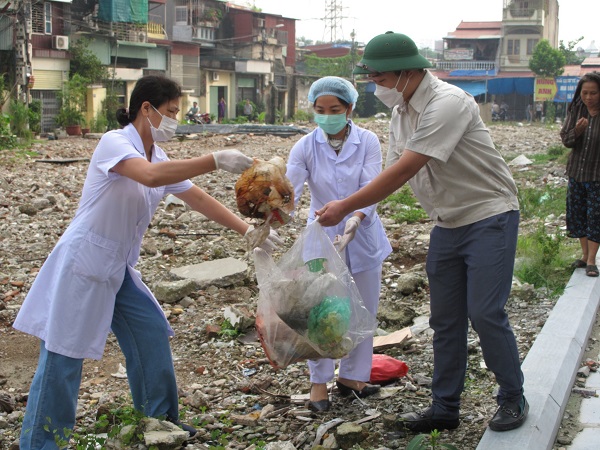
(550, 369)
(588, 439)
(593, 381)
(567, 311)
(589, 414)
(534, 434)
(219, 272)
(582, 286)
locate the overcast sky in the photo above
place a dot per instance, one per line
(422, 20)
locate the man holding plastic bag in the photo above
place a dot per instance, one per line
(336, 160)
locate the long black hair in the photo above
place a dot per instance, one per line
(155, 89)
(590, 76)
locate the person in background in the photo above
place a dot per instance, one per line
(504, 110)
(248, 109)
(495, 107)
(528, 112)
(221, 110)
(191, 114)
(335, 160)
(88, 285)
(539, 109)
(439, 144)
(581, 133)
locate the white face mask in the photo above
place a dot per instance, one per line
(390, 97)
(166, 129)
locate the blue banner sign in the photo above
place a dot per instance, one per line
(565, 89)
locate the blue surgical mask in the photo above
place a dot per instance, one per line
(331, 123)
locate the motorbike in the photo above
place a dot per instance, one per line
(199, 118)
(500, 116)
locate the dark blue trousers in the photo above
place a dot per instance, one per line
(470, 275)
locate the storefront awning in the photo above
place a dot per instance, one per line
(505, 86)
(474, 88)
(136, 44)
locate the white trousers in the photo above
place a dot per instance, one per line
(357, 365)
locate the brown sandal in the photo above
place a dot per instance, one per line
(578, 264)
(591, 270)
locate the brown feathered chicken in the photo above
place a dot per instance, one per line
(264, 192)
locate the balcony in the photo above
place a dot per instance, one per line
(206, 35)
(524, 12)
(448, 66)
(155, 27)
(123, 31)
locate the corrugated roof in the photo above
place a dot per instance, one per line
(578, 71)
(591, 61)
(478, 25)
(476, 30)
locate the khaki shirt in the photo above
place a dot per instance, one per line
(466, 180)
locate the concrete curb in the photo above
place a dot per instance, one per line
(550, 367)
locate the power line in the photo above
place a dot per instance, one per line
(333, 18)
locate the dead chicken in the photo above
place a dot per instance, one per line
(264, 192)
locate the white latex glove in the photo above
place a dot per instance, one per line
(352, 224)
(261, 238)
(232, 160)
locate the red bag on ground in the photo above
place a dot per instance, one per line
(386, 369)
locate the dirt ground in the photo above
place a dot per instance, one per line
(26, 240)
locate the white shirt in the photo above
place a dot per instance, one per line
(335, 177)
(466, 179)
(70, 304)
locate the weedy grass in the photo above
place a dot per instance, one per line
(543, 259)
(228, 331)
(405, 206)
(429, 442)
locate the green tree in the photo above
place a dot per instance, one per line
(72, 101)
(322, 67)
(571, 55)
(85, 63)
(546, 61)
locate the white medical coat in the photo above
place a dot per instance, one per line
(71, 302)
(335, 177)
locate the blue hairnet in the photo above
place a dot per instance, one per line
(335, 86)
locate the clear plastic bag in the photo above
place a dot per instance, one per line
(309, 306)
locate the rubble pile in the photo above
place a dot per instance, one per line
(228, 389)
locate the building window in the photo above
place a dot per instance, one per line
(181, 12)
(521, 9)
(531, 43)
(513, 47)
(41, 17)
(48, 18)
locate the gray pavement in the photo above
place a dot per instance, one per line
(550, 369)
(589, 413)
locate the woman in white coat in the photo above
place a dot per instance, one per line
(336, 160)
(88, 284)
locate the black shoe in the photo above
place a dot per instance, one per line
(319, 405)
(190, 429)
(510, 415)
(369, 389)
(424, 422)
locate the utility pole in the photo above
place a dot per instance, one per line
(333, 18)
(23, 50)
(353, 56)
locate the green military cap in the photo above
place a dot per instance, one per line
(390, 52)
